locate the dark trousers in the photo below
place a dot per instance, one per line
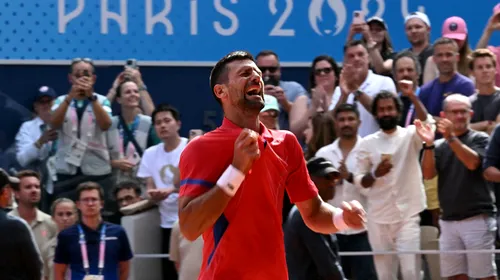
(168, 267)
(356, 267)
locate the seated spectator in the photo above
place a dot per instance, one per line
(323, 78)
(35, 141)
(64, 215)
(131, 132)
(449, 80)
(187, 255)
(81, 118)
(311, 255)
(128, 194)
(269, 115)
(454, 28)
(492, 25)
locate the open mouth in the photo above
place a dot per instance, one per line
(254, 91)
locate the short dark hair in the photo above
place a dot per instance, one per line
(126, 185)
(266, 53)
(22, 174)
(333, 63)
(354, 43)
(346, 107)
(412, 56)
(385, 94)
(166, 108)
(219, 72)
(89, 186)
(445, 41)
(119, 87)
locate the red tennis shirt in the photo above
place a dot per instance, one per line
(246, 242)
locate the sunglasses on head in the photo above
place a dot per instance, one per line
(320, 71)
(271, 69)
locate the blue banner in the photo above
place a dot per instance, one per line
(197, 31)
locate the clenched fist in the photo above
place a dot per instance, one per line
(246, 150)
(354, 214)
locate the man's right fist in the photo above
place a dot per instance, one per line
(246, 150)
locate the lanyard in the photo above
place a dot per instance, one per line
(411, 109)
(130, 148)
(83, 248)
(74, 120)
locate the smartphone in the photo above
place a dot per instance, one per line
(358, 17)
(386, 157)
(195, 133)
(131, 63)
(271, 80)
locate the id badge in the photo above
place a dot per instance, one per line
(93, 277)
(75, 154)
(51, 168)
(134, 159)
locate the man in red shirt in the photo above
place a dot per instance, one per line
(233, 181)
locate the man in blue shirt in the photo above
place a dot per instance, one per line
(449, 81)
(78, 247)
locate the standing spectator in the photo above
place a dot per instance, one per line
(320, 132)
(64, 214)
(81, 118)
(418, 32)
(486, 101)
(491, 167)
(388, 165)
(269, 115)
(159, 167)
(309, 254)
(285, 91)
(343, 154)
(27, 194)
(449, 81)
(187, 255)
(492, 25)
(467, 219)
(81, 247)
(359, 85)
(19, 257)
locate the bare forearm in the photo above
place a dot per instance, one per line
(428, 165)
(466, 155)
(480, 126)
(147, 104)
(202, 212)
(419, 108)
(342, 100)
(485, 38)
(59, 271)
(492, 174)
(102, 118)
(377, 61)
(124, 270)
(322, 220)
(366, 101)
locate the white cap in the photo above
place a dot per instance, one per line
(421, 16)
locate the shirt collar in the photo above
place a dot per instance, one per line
(336, 147)
(264, 132)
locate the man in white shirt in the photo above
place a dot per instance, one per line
(159, 166)
(35, 139)
(342, 153)
(359, 85)
(388, 168)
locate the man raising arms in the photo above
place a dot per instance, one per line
(233, 181)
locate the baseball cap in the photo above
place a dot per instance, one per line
(378, 20)
(45, 91)
(496, 9)
(421, 16)
(270, 103)
(318, 166)
(454, 28)
(6, 179)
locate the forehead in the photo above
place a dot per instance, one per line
(346, 114)
(125, 192)
(89, 193)
(164, 115)
(64, 206)
(322, 64)
(445, 48)
(29, 180)
(355, 49)
(81, 66)
(386, 102)
(129, 85)
(267, 60)
(234, 67)
(483, 60)
(415, 22)
(405, 62)
(454, 104)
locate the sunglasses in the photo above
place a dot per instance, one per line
(320, 71)
(271, 69)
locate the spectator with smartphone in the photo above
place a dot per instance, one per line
(131, 72)
(285, 91)
(492, 26)
(35, 140)
(81, 118)
(131, 133)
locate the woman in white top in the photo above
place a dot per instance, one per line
(64, 214)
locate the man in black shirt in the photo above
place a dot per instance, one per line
(467, 219)
(311, 255)
(418, 28)
(19, 255)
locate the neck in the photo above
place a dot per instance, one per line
(128, 114)
(362, 77)
(92, 222)
(171, 143)
(27, 212)
(460, 132)
(346, 144)
(243, 120)
(418, 48)
(485, 89)
(443, 78)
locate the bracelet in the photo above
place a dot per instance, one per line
(338, 220)
(350, 179)
(231, 180)
(431, 147)
(451, 139)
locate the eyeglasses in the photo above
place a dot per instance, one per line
(320, 71)
(271, 69)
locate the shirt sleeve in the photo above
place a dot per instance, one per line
(479, 144)
(26, 151)
(125, 250)
(174, 253)
(492, 157)
(62, 255)
(298, 184)
(469, 88)
(364, 164)
(58, 102)
(106, 105)
(144, 170)
(195, 179)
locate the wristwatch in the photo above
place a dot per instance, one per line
(92, 98)
(358, 93)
